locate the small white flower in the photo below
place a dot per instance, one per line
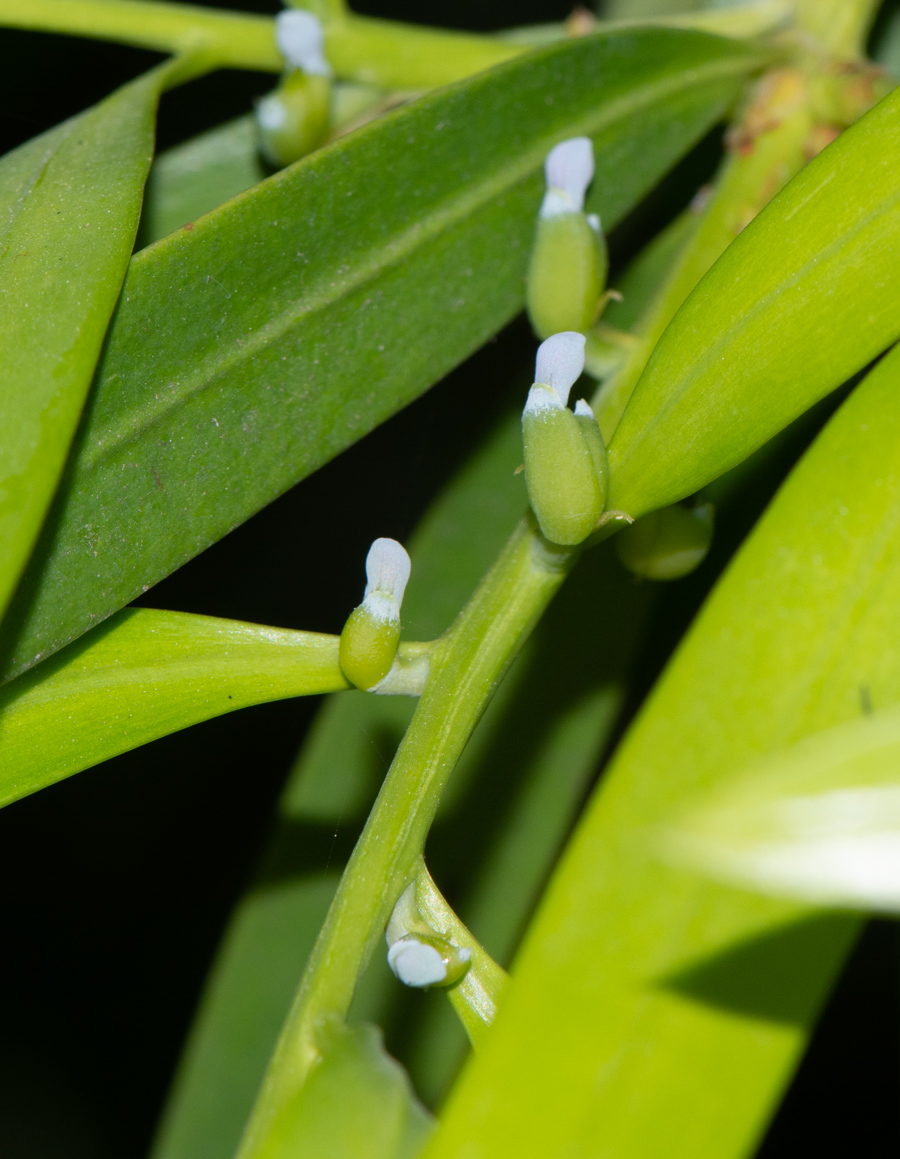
(569, 170)
(301, 41)
(387, 574)
(559, 363)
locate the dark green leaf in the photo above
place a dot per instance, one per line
(248, 351)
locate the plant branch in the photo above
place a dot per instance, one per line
(840, 26)
(476, 996)
(466, 667)
(231, 39)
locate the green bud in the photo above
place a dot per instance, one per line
(294, 119)
(566, 275)
(371, 634)
(564, 467)
(569, 262)
(667, 544)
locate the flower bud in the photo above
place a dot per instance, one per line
(568, 266)
(564, 468)
(667, 544)
(421, 961)
(372, 632)
(294, 120)
(301, 41)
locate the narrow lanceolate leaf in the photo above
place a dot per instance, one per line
(141, 676)
(252, 348)
(654, 991)
(819, 821)
(69, 207)
(801, 300)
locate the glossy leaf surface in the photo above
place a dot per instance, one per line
(819, 821)
(141, 676)
(801, 300)
(69, 207)
(654, 991)
(252, 348)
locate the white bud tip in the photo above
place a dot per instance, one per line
(582, 408)
(416, 963)
(387, 569)
(593, 220)
(301, 41)
(271, 113)
(569, 170)
(560, 361)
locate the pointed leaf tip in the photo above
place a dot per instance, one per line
(560, 361)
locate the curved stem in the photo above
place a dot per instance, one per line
(466, 668)
(231, 39)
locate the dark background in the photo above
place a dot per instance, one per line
(115, 885)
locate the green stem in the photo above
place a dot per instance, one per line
(466, 667)
(231, 39)
(840, 26)
(382, 52)
(405, 56)
(476, 996)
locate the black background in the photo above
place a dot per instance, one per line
(115, 885)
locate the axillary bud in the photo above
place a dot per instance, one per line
(294, 119)
(565, 459)
(569, 262)
(667, 544)
(371, 634)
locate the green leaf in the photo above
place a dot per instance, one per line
(357, 1102)
(69, 207)
(198, 176)
(250, 350)
(654, 991)
(800, 301)
(144, 675)
(819, 822)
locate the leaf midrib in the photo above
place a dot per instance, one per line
(126, 429)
